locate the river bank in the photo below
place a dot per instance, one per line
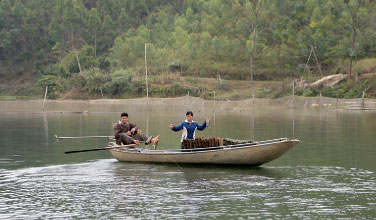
(188, 102)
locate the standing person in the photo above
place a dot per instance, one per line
(189, 127)
(129, 133)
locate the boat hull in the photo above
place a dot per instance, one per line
(252, 154)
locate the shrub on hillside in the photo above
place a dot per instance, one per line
(125, 82)
(91, 81)
(85, 57)
(53, 83)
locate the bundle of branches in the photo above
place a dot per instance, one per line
(202, 142)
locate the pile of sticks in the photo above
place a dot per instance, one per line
(201, 142)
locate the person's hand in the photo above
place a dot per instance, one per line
(136, 142)
(129, 133)
(133, 130)
(171, 126)
(207, 121)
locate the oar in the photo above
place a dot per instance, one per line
(108, 137)
(96, 149)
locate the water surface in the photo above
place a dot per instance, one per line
(330, 174)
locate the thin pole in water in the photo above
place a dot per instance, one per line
(214, 100)
(147, 122)
(337, 103)
(253, 120)
(45, 95)
(293, 93)
(146, 70)
(321, 103)
(214, 114)
(252, 86)
(293, 113)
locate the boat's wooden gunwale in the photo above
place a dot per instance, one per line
(196, 151)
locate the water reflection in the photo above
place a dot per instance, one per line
(45, 122)
(111, 189)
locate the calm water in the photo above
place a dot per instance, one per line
(330, 174)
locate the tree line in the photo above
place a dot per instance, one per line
(94, 45)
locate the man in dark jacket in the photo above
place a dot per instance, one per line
(129, 133)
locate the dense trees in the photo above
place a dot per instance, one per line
(211, 37)
(195, 37)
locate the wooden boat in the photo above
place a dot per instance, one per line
(254, 153)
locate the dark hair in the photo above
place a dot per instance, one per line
(124, 114)
(189, 113)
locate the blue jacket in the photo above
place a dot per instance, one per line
(189, 130)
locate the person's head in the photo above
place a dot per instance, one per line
(189, 116)
(124, 117)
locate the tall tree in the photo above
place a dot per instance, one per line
(56, 33)
(138, 10)
(254, 8)
(73, 18)
(353, 8)
(124, 22)
(94, 26)
(108, 33)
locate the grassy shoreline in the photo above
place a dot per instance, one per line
(188, 103)
(169, 85)
(207, 88)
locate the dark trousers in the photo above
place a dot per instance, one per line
(128, 139)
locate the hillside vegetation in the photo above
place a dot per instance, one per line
(91, 48)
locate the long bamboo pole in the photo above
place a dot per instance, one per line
(317, 61)
(84, 137)
(78, 62)
(97, 149)
(214, 113)
(293, 113)
(146, 72)
(309, 57)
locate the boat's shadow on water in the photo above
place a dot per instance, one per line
(198, 171)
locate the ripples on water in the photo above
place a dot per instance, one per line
(110, 189)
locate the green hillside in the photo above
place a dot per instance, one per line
(90, 48)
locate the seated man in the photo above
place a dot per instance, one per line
(128, 133)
